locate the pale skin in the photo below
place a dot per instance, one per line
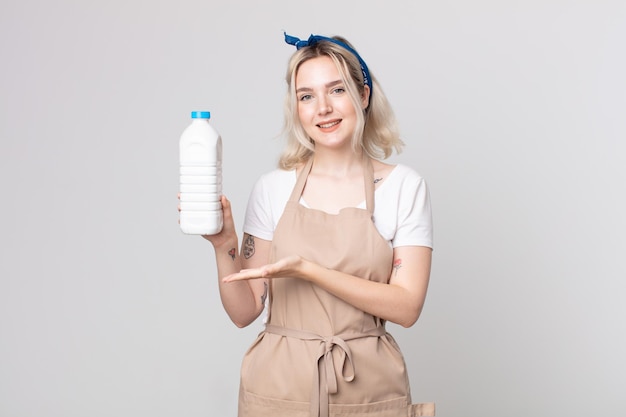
(243, 300)
(335, 182)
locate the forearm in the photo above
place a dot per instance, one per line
(387, 301)
(237, 297)
(400, 300)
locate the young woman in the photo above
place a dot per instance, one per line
(335, 244)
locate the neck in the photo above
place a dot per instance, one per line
(337, 164)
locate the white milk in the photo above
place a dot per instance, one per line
(200, 177)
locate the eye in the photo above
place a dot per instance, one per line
(338, 90)
(305, 97)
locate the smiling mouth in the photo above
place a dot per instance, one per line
(329, 124)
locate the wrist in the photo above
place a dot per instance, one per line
(220, 244)
(308, 270)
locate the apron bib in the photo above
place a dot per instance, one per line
(318, 355)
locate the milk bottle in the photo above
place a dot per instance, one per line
(200, 177)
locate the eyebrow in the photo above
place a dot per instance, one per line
(328, 85)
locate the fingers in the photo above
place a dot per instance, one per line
(253, 273)
(266, 271)
(229, 222)
(225, 204)
(226, 207)
(243, 275)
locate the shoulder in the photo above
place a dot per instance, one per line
(267, 202)
(275, 179)
(405, 172)
(277, 175)
(404, 177)
(411, 201)
(273, 188)
(397, 171)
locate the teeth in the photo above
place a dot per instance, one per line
(327, 125)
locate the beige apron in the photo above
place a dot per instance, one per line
(319, 356)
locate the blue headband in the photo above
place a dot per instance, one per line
(313, 39)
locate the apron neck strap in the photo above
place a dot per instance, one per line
(368, 178)
(299, 187)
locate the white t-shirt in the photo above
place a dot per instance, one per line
(402, 212)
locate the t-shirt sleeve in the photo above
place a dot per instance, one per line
(415, 226)
(258, 220)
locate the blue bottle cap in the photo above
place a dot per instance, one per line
(200, 114)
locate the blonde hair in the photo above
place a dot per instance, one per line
(376, 130)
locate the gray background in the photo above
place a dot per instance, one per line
(514, 111)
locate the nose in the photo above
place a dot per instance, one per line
(323, 105)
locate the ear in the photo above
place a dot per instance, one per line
(365, 97)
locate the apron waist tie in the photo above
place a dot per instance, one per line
(326, 375)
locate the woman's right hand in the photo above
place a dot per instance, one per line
(228, 232)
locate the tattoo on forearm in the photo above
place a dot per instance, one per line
(232, 252)
(397, 264)
(248, 247)
(264, 296)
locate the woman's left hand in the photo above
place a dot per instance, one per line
(286, 267)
